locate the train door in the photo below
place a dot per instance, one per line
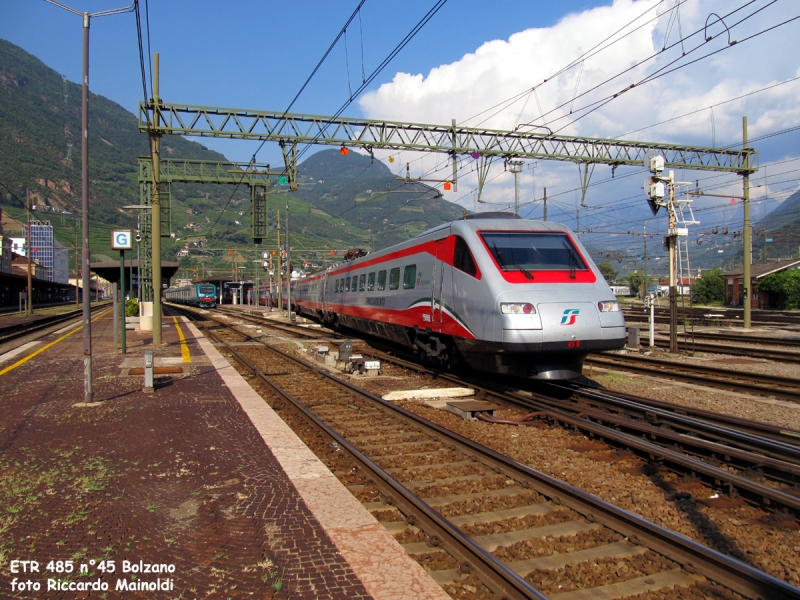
(439, 281)
(324, 284)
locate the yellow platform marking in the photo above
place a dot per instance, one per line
(46, 346)
(184, 348)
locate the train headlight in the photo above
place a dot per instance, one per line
(608, 306)
(517, 308)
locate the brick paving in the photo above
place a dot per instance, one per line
(179, 476)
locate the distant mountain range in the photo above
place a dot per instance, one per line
(343, 200)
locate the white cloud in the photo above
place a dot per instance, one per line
(500, 69)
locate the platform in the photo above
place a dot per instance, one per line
(200, 476)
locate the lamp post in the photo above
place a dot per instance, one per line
(87, 307)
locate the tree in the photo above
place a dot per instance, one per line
(786, 285)
(608, 271)
(635, 281)
(710, 287)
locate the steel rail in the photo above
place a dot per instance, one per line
(13, 332)
(497, 576)
(709, 314)
(746, 339)
(752, 491)
(777, 459)
(728, 379)
(694, 557)
(651, 410)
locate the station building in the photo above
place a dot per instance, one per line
(734, 282)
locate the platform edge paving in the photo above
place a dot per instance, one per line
(363, 542)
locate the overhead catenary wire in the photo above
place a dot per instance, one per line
(402, 44)
(543, 115)
(619, 74)
(289, 107)
(589, 53)
(665, 69)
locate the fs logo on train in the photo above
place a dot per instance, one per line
(570, 315)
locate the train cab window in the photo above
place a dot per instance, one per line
(371, 281)
(533, 251)
(354, 283)
(362, 282)
(409, 277)
(462, 258)
(381, 280)
(347, 285)
(394, 278)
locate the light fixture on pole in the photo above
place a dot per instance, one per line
(87, 307)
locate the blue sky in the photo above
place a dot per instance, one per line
(471, 55)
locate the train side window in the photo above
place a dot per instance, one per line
(362, 282)
(381, 280)
(341, 285)
(354, 283)
(394, 278)
(371, 281)
(336, 286)
(347, 285)
(409, 277)
(462, 258)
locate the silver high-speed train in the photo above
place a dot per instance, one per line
(503, 294)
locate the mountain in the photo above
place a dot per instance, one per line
(365, 193)
(787, 215)
(340, 203)
(40, 142)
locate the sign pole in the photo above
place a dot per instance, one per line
(122, 302)
(122, 240)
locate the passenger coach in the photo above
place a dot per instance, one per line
(502, 294)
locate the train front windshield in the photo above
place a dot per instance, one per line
(533, 251)
(207, 290)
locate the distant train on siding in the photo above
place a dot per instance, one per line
(203, 295)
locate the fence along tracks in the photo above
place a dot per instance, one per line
(501, 516)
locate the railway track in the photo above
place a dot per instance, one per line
(761, 462)
(786, 356)
(20, 330)
(785, 388)
(751, 347)
(706, 315)
(478, 519)
(743, 338)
